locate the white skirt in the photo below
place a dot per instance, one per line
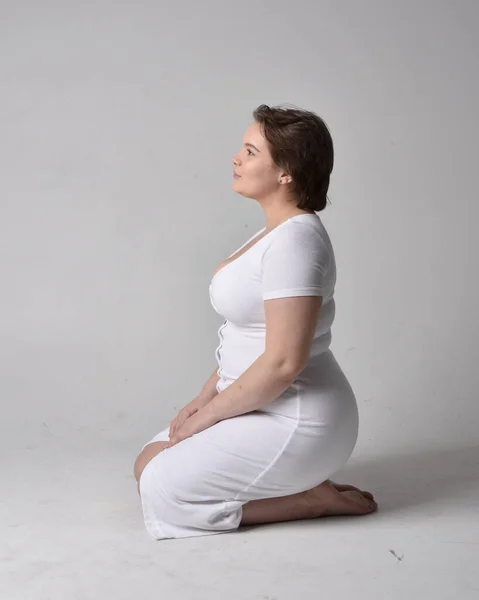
(198, 487)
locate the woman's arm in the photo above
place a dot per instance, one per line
(209, 390)
(290, 328)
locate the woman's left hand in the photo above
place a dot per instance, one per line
(199, 421)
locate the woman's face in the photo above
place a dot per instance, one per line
(256, 176)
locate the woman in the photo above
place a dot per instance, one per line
(278, 417)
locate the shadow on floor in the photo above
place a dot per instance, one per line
(406, 480)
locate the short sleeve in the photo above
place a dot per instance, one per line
(295, 264)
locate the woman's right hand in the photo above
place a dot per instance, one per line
(185, 413)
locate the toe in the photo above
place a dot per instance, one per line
(359, 504)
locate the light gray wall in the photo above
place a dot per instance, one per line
(118, 121)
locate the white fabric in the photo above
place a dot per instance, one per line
(294, 259)
(199, 486)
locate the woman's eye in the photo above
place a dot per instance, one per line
(249, 152)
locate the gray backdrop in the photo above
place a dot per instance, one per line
(118, 122)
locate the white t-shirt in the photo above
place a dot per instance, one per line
(296, 258)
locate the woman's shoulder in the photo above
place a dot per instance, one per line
(304, 230)
(300, 243)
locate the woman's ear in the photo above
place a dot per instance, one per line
(285, 178)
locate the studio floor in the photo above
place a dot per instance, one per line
(71, 528)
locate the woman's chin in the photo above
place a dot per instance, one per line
(236, 186)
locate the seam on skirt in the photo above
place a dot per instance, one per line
(283, 448)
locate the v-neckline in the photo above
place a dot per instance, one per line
(257, 234)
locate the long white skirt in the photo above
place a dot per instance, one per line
(199, 486)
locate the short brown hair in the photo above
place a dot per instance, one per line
(300, 143)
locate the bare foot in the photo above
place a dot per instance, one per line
(350, 488)
(353, 503)
(325, 500)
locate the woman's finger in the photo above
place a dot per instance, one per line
(182, 433)
(177, 422)
(173, 441)
(172, 427)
